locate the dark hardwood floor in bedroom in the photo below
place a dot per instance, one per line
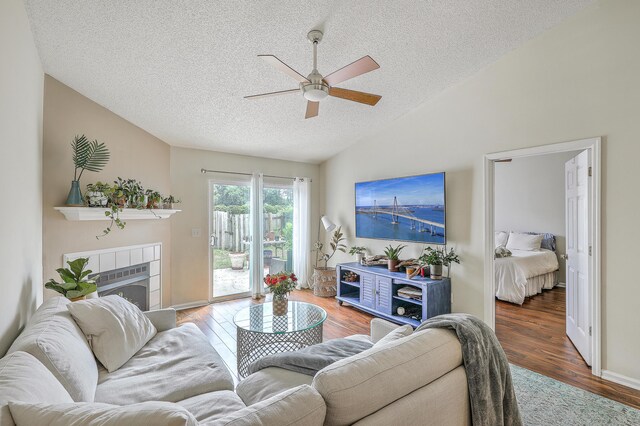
(533, 336)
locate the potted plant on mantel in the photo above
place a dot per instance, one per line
(87, 155)
(75, 285)
(324, 278)
(393, 256)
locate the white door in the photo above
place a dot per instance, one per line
(578, 304)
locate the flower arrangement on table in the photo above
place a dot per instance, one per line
(281, 284)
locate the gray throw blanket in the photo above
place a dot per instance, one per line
(491, 394)
(312, 359)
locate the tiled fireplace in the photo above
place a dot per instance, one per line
(133, 272)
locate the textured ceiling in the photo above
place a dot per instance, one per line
(180, 69)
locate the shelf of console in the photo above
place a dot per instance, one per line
(98, 213)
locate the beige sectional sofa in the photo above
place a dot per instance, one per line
(415, 380)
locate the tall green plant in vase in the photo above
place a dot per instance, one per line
(87, 155)
(324, 278)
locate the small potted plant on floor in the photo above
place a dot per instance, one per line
(393, 256)
(324, 278)
(358, 252)
(75, 284)
(280, 285)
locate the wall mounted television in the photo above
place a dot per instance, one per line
(408, 208)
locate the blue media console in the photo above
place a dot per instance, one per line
(376, 292)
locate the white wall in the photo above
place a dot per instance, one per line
(190, 256)
(578, 80)
(529, 197)
(21, 86)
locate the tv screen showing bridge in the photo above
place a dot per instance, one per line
(409, 209)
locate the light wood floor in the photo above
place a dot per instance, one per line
(533, 336)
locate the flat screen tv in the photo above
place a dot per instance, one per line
(406, 209)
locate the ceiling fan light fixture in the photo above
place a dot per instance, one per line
(315, 92)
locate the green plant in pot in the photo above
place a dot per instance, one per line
(87, 155)
(170, 202)
(75, 283)
(324, 278)
(393, 256)
(98, 194)
(358, 252)
(154, 199)
(437, 258)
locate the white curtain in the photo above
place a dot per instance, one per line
(301, 230)
(257, 237)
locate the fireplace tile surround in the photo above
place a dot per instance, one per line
(105, 260)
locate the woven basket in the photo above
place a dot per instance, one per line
(324, 282)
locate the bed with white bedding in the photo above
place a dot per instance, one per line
(526, 272)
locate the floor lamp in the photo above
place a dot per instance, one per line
(328, 226)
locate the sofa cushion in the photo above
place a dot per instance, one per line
(116, 328)
(300, 406)
(398, 333)
(268, 382)
(97, 414)
(213, 405)
(24, 378)
(357, 386)
(175, 365)
(54, 338)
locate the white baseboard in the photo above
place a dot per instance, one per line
(620, 379)
(195, 304)
(561, 285)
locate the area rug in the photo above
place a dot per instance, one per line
(545, 401)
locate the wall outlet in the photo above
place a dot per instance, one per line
(196, 232)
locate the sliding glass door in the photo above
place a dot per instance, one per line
(278, 226)
(230, 239)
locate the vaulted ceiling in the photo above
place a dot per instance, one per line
(180, 69)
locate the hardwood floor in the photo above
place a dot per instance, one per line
(216, 322)
(533, 336)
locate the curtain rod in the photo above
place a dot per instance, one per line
(204, 171)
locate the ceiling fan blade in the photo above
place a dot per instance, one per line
(355, 96)
(277, 63)
(266, 95)
(354, 69)
(312, 109)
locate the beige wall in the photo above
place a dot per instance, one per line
(578, 80)
(134, 154)
(21, 82)
(190, 260)
(529, 197)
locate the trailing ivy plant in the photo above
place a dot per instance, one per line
(114, 214)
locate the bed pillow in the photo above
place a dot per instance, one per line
(115, 328)
(526, 242)
(501, 238)
(152, 413)
(548, 241)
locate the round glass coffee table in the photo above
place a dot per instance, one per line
(261, 333)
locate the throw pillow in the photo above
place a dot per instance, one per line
(398, 333)
(501, 238)
(524, 241)
(151, 413)
(115, 328)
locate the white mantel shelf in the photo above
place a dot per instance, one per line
(98, 213)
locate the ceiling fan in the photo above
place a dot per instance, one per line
(315, 87)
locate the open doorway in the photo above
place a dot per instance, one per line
(542, 256)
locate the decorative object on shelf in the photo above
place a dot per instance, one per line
(393, 256)
(87, 155)
(169, 202)
(410, 292)
(400, 311)
(98, 194)
(437, 258)
(75, 285)
(358, 252)
(280, 285)
(375, 260)
(154, 199)
(324, 278)
(351, 277)
(411, 271)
